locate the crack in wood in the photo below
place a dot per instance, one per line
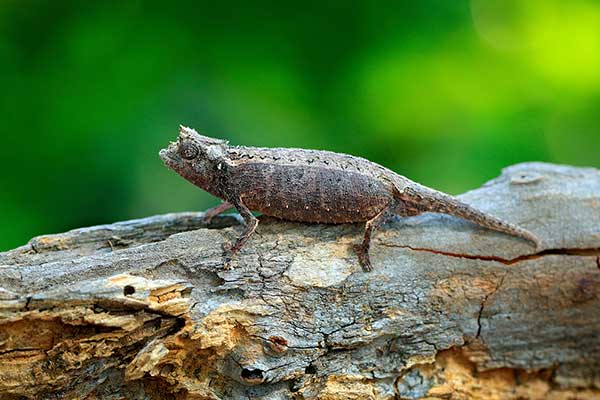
(484, 303)
(511, 261)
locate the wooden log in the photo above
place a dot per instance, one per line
(145, 310)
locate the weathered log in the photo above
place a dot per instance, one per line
(145, 310)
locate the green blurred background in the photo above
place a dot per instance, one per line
(444, 92)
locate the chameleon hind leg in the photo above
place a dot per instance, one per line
(251, 224)
(362, 250)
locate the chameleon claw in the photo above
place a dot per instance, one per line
(227, 264)
(366, 265)
(227, 255)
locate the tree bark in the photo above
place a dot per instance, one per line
(145, 310)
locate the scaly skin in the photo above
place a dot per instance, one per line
(310, 186)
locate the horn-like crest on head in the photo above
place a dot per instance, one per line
(189, 133)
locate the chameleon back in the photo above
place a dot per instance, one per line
(307, 185)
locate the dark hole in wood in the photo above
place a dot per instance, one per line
(252, 374)
(311, 369)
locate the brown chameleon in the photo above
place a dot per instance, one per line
(310, 186)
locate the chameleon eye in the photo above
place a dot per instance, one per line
(188, 151)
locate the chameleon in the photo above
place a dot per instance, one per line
(313, 186)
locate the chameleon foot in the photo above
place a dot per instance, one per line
(228, 254)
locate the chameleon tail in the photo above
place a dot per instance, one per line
(435, 201)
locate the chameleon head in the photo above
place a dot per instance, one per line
(194, 156)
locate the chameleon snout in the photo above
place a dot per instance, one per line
(170, 156)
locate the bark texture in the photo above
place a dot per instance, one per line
(145, 310)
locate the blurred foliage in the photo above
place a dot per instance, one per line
(444, 92)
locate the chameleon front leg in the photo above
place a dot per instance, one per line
(362, 250)
(214, 211)
(251, 224)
